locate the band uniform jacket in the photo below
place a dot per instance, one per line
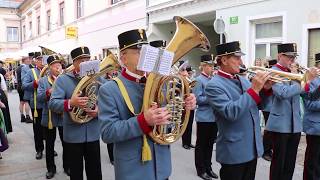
(121, 127)
(311, 120)
(28, 85)
(237, 115)
(56, 118)
(204, 111)
(285, 115)
(72, 132)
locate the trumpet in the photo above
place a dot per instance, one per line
(277, 76)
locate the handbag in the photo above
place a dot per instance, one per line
(3, 141)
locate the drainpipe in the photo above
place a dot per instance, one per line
(20, 28)
(147, 16)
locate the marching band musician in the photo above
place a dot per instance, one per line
(136, 156)
(82, 140)
(284, 122)
(187, 135)
(311, 126)
(234, 101)
(51, 120)
(206, 125)
(266, 106)
(30, 84)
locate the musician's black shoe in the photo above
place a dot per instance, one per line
(28, 119)
(50, 174)
(267, 156)
(23, 118)
(204, 176)
(67, 172)
(186, 146)
(39, 155)
(55, 153)
(192, 146)
(212, 174)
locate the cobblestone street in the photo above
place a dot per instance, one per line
(19, 161)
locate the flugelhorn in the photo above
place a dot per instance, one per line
(170, 91)
(278, 76)
(47, 51)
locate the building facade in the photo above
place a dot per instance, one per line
(62, 25)
(259, 25)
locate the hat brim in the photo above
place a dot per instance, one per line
(81, 56)
(55, 61)
(134, 45)
(291, 53)
(236, 53)
(206, 62)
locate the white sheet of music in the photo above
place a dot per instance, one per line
(155, 60)
(89, 67)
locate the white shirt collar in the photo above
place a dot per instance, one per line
(133, 74)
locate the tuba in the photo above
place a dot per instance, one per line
(89, 85)
(169, 91)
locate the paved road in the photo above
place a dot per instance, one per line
(19, 161)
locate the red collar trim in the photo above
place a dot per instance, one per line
(127, 76)
(225, 75)
(285, 69)
(205, 75)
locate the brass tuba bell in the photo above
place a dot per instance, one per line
(89, 86)
(169, 91)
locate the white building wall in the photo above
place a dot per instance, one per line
(97, 29)
(296, 14)
(8, 18)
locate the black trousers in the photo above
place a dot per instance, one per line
(90, 153)
(50, 137)
(243, 171)
(267, 138)
(311, 170)
(110, 151)
(38, 131)
(206, 135)
(284, 146)
(186, 137)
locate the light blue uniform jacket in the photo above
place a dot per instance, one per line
(204, 111)
(27, 85)
(56, 118)
(237, 116)
(285, 115)
(72, 132)
(311, 119)
(120, 126)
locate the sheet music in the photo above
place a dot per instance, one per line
(155, 60)
(89, 67)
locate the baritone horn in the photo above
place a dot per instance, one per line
(170, 91)
(89, 86)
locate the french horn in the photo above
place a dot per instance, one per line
(169, 91)
(89, 85)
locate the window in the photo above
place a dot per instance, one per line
(24, 32)
(314, 44)
(267, 36)
(30, 29)
(48, 20)
(115, 1)
(38, 25)
(12, 34)
(61, 11)
(79, 8)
